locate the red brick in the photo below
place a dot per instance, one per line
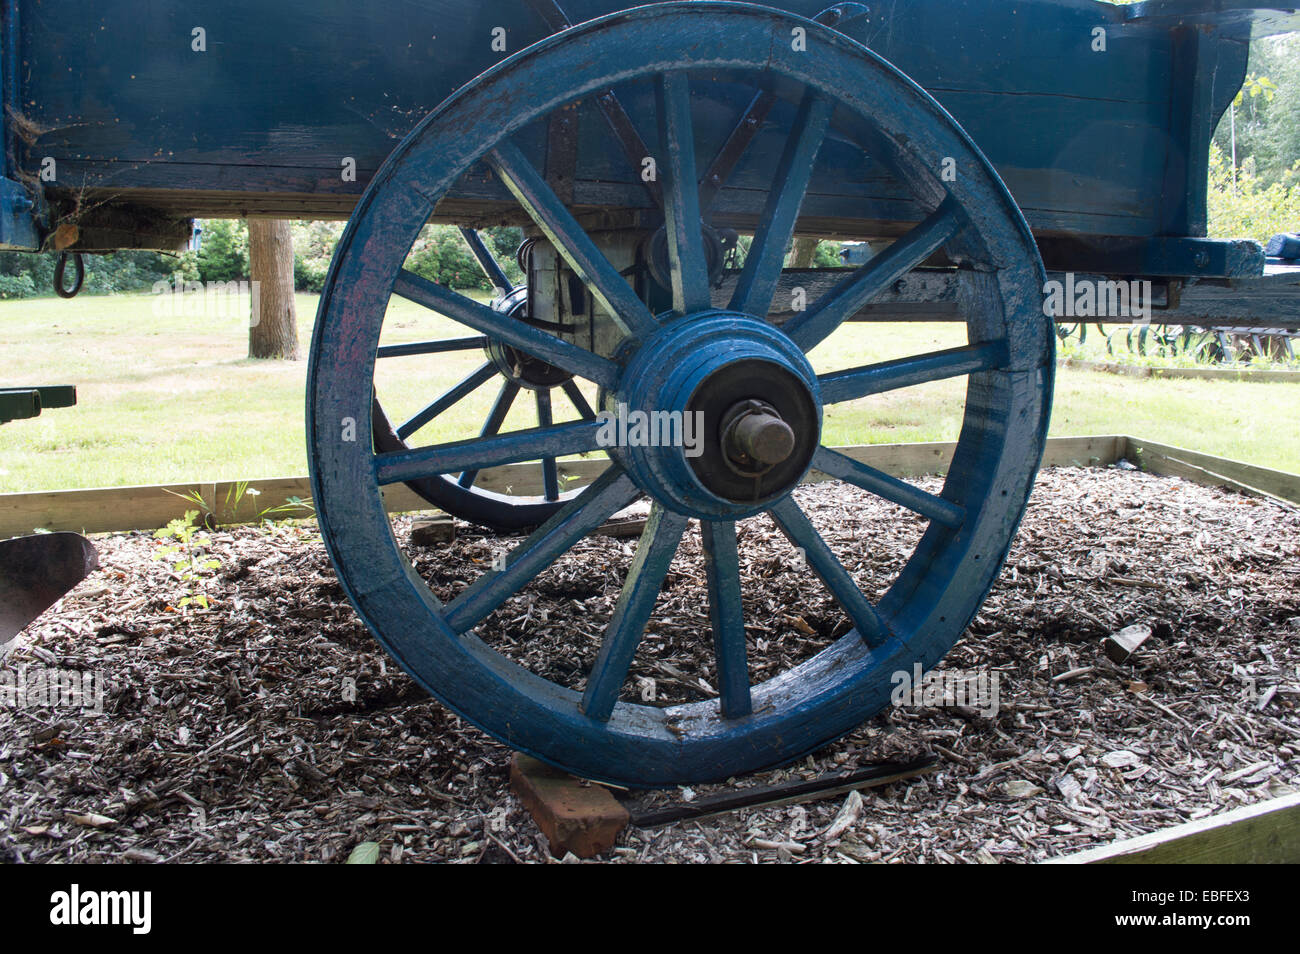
(582, 818)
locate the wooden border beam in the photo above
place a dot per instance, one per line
(1213, 471)
(124, 509)
(1264, 833)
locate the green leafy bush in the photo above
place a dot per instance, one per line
(223, 252)
(441, 255)
(504, 241)
(828, 255)
(309, 273)
(30, 275)
(17, 286)
(1247, 207)
(313, 246)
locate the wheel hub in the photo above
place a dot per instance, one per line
(755, 438)
(718, 415)
(520, 367)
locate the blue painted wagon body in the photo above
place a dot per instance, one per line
(968, 141)
(1106, 143)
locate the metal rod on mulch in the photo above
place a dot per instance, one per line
(786, 793)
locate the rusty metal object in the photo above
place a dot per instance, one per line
(793, 792)
(755, 436)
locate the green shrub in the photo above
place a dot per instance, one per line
(309, 273)
(441, 255)
(828, 254)
(223, 252)
(313, 247)
(17, 286)
(31, 274)
(504, 241)
(1247, 208)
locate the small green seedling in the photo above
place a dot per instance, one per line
(186, 557)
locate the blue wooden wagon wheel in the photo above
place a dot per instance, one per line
(693, 357)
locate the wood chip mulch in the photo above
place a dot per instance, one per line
(271, 727)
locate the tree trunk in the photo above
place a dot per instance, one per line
(805, 252)
(273, 332)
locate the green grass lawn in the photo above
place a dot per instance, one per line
(166, 399)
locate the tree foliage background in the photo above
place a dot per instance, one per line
(1261, 196)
